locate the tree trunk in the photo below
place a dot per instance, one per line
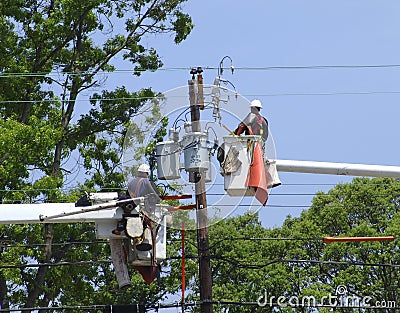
(42, 271)
(3, 293)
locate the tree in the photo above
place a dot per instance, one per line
(251, 263)
(363, 208)
(52, 52)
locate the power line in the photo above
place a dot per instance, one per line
(324, 93)
(157, 307)
(76, 100)
(7, 245)
(310, 239)
(229, 260)
(63, 200)
(259, 205)
(315, 67)
(239, 264)
(102, 189)
(54, 308)
(78, 263)
(394, 92)
(258, 68)
(12, 201)
(308, 304)
(217, 241)
(277, 194)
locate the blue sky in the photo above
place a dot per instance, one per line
(329, 114)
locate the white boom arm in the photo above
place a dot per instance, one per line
(348, 169)
(34, 213)
(60, 212)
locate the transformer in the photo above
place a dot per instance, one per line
(196, 152)
(167, 157)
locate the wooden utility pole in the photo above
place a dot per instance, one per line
(196, 102)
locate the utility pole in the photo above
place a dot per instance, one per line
(197, 102)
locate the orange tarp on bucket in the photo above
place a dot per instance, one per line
(256, 177)
(149, 273)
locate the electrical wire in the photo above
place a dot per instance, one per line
(394, 92)
(175, 127)
(212, 68)
(77, 263)
(210, 127)
(211, 205)
(54, 308)
(6, 243)
(60, 200)
(271, 304)
(185, 184)
(316, 67)
(218, 205)
(76, 100)
(238, 264)
(178, 117)
(220, 241)
(323, 94)
(259, 205)
(276, 194)
(230, 260)
(160, 306)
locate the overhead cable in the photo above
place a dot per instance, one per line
(395, 92)
(212, 68)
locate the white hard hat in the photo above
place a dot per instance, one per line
(256, 103)
(144, 168)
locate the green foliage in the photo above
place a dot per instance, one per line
(183, 25)
(22, 148)
(54, 54)
(249, 261)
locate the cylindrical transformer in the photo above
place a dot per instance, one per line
(174, 135)
(209, 171)
(188, 127)
(196, 152)
(167, 156)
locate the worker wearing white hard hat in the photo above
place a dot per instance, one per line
(256, 103)
(254, 123)
(142, 186)
(144, 168)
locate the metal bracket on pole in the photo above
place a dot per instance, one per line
(126, 202)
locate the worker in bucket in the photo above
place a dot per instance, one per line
(142, 186)
(254, 123)
(126, 251)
